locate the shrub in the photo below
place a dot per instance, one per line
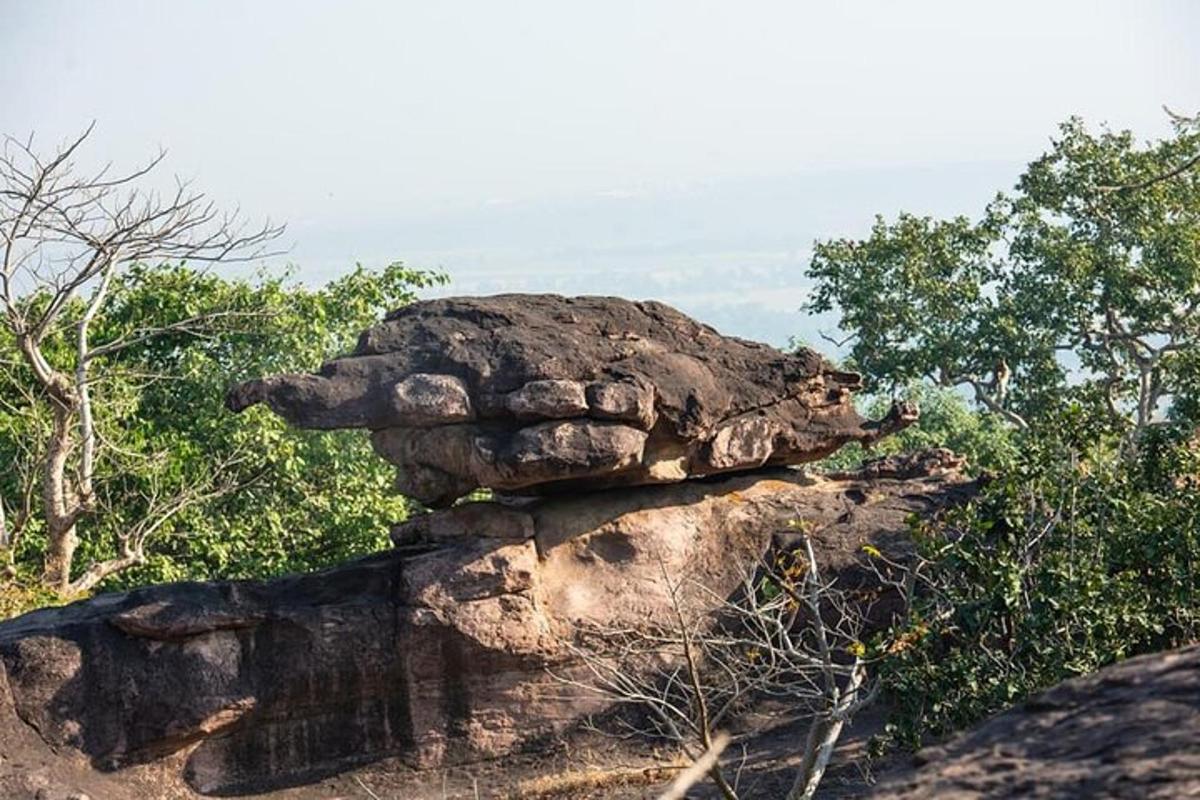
(1077, 557)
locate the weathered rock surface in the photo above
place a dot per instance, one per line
(436, 652)
(1129, 731)
(532, 393)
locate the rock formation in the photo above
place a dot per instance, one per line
(446, 648)
(436, 651)
(534, 393)
(1130, 731)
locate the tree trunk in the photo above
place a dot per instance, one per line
(5, 535)
(60, 554)
(823, 736)
(59, 504)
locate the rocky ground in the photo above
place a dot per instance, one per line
(1129, 731)
(434, 654)
(582, 765)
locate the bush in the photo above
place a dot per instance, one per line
(21, 591)
(1077, 557)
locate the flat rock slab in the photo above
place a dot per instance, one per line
(1129, 731)
(436, 653)
(533, 393)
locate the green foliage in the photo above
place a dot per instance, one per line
(1070, 313)
(297, 500)
(21, 592)
(1069, 561)
(1080, 285)
(946, 421)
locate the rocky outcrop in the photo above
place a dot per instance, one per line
(535, 393)
(453, 646)
(440, 651)
(1130, 731)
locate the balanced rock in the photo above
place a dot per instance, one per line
(449, 648)
(531, 393)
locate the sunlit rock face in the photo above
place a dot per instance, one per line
(626, 443)
(448, 649)
(527, 394)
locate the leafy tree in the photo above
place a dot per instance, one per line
(1069, 312)
(1083, 284)
(66, 237)
(302, 500)
(1070, 560)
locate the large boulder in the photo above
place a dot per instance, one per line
(441, 651)
(533, 393)
(1130, 731)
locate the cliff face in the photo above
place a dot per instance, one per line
(605, 415)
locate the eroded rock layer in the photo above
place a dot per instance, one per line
(438, 652)
(1131, 731)
(529, 393)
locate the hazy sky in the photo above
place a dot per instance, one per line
(591, 146)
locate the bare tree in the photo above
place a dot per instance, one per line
(65, 236)
(788, 642)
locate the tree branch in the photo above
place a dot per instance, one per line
(1190, 164)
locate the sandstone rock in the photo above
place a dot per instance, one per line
(534, 393)
(1129, 731)
(548, 400)
(436, 652)
(432, 399)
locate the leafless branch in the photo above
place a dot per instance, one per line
(198, 325)
(787, 635)
(66, 235)
(837, 343)
(695, 773)
(159, 512)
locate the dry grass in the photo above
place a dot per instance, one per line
(578, 782)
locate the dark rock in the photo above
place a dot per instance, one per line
(432, 399)
(1128, 731)
(175, 621)
(534, 393)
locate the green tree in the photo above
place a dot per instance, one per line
(1082, 285)
(1068, 561)
(190, 489)
(66, 238)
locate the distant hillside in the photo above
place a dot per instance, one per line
(732, 253)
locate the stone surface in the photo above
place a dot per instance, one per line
(548, 400)
(432, 399)
(534, 393)
(436, 652)
(1129, 731)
